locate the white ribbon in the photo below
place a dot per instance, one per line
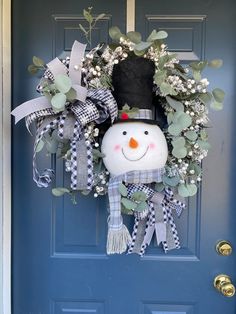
(57, 67)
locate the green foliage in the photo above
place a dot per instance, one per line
(219, 95)
(128, 204)
(135, 37)
(141, 206)
(198, 66)
(60, 191)
(179, 149)
(63, 83)
(167, 89)
(181, 120)
(157, 35)
(216, 63)
(139, 196)
(38, 64)
(58, 102)
(186, 190)
(175, 104)
(40, 146)
(205, 98)
(115, 33)
(160, 77)
(92, 21)
(142, 46)
(159, 187)
(171, 181)
(191, 135)
(123, 190)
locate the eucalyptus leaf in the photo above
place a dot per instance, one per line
(167, 89)
(123, 190)
(159, 187)
(204, 144)
(157, 35)
(135, 37)
(170, 117)
(216, 63)
(33, 69)
(178, 142)
(63, 83)
(115, 33)
(100, 16)
(58, 102)
(217, 105)
(191, 135)
(197, 75)
(160, 77)
(141, 206)
(182, 119)
(171, 181)
(82, 29)
(38, 62)
(179, 152)
(128, 203)
(175, 104)
(71, 94)
(87, 16)
(39, 146)
(219, 95)
(126, 211)
(60, 191)
(205, 98)
(142, 46)
(183, 190)
(139, 196)
(52, 145)
(198, 66)
(139, 53)
(204, 135)
(192, 189)
(174, 129)
(97, 153)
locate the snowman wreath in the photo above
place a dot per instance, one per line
(155, 115)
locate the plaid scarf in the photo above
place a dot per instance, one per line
(118, 235)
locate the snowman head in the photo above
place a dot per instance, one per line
(129, 146)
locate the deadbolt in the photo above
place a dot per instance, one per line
(224, 248)
(224, 285)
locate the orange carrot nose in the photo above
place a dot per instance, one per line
(133, 143)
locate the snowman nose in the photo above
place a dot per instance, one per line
(133, 143)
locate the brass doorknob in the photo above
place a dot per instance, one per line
(224, 285)
(224, 248)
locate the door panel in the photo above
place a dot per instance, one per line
(59, 259)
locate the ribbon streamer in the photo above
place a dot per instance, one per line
(56, 67)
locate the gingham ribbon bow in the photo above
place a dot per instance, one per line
(90, 105)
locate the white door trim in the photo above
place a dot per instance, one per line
(5, 157)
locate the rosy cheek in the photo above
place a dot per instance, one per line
(117, 147)
(152, 146)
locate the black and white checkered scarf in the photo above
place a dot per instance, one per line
(158, 218)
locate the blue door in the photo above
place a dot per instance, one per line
(59, 260)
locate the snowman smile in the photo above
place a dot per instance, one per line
(136, 159)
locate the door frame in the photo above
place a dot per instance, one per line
(5, 147)
(5, 157)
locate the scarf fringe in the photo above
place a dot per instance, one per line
(118, 240)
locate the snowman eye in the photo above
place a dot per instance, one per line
(146, 132)
(124, 133)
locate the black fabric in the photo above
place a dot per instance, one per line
(132, 80)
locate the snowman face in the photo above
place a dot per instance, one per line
(134, 146)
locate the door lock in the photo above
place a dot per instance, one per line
(224, 285)
(224, 248)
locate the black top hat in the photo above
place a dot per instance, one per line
(132, 80)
